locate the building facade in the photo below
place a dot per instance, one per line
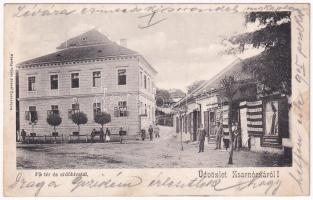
(88, 73)
(263, 120)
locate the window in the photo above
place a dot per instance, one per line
(141, 108)
(121, 76)
(96, 109)
(55, 109)
(75, 80)
(212, 117)
(145, 81)
(149, 111)
(31, 114)
(75, 106)
(145, 109)
(96, 79)
(31, 83)
(121, 110)
(148, 84)
(140, 79)
(54, 82)
(152, 111)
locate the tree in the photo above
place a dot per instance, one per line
(162, 97)
(272, 69)
(102, 118)
(194, 85)
(228, 91)
(79, 118)
(54, 120)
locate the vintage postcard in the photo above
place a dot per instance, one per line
(156, 99)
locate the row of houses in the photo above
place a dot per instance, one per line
(89, 73)
(262, 119)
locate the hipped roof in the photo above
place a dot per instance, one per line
(89, 45)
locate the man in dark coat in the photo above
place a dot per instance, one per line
(101, 134)
(121, 135)
(201, 134)
(150, 130)
(92, 135)
(23, 134)
(218, 131)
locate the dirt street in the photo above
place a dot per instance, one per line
(164, 152)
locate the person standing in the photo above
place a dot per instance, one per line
(143, 134)
(101, 134)
(157, 131)
(93, 133)
(23, 134)
(107, 135)
(121, 134)
(201, 134)
(150, 130)
(218, 131)
(236, 132)
(226, 139)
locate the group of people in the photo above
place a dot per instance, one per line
(151, 130)
(106, 137)
(220, 134)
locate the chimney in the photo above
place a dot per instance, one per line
(123, 42)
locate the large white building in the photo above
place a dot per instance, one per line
(87, 73)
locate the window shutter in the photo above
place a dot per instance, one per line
(116, 112)
(27, 115)
(34, 116)
(70, 114)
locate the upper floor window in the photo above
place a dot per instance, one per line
(96, 79)
(75, 80)
(31, 83)
(145, 81)
(121, 76)
(54, 82)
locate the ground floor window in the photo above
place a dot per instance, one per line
(31, 114)
(96, 109)
(75, 108)
(121, 109)
(55, 109)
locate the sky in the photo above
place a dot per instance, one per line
(183, 48)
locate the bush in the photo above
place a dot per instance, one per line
(54, 120)
(102, 118)
(79, 118)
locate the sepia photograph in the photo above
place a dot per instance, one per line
(96, 102)
(155, 86)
